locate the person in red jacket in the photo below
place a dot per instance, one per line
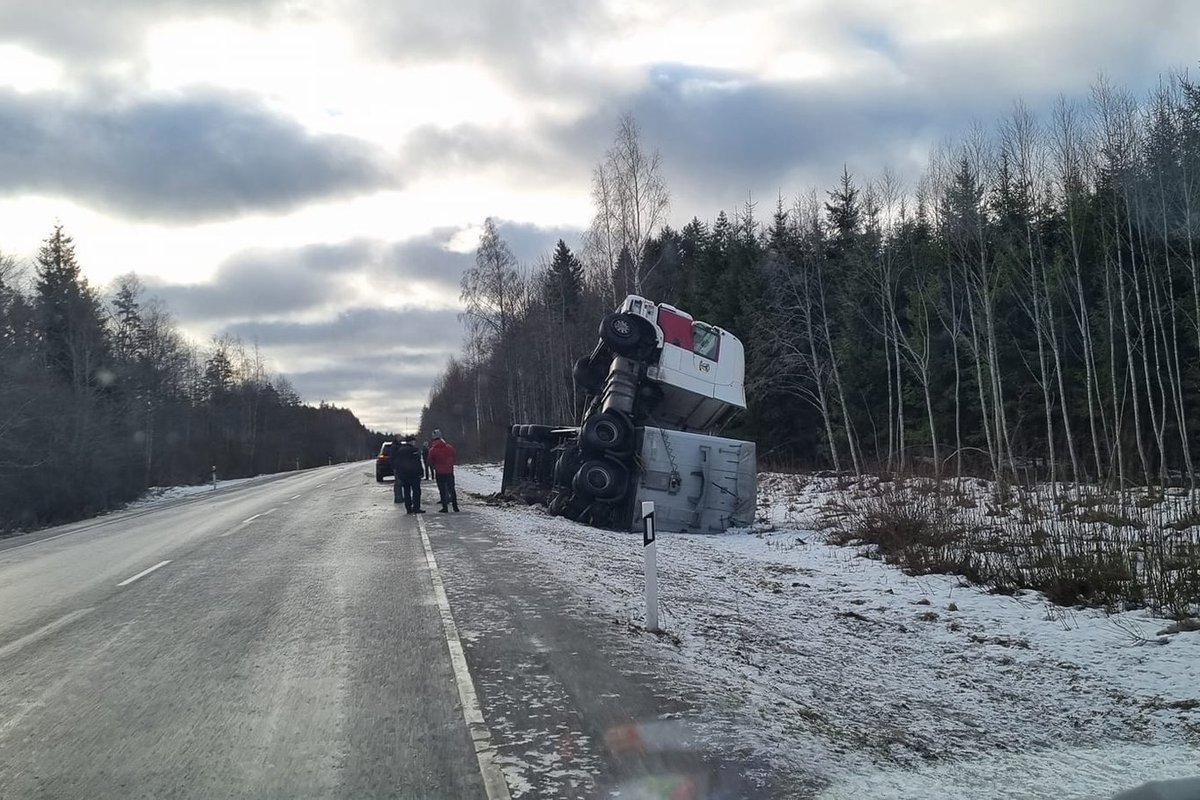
(441, 458)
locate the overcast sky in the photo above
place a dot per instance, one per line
(313, 174)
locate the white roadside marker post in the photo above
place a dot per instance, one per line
(648, 548)
(214, 473)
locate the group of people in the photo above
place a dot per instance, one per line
(411, 464)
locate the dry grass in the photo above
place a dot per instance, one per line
(1087, 549)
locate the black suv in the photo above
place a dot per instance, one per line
(383, 462)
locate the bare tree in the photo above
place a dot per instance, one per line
(632, 201)
(1071, 155)
(1115, 113)
(492, 292)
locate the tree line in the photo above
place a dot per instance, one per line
(1027, 307)
(101, 397)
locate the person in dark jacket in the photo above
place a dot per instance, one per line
(406, 464)
(441, 458)
(425, 460)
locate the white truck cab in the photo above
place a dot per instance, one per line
(700, 367)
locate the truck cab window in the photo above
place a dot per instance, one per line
(707, 342)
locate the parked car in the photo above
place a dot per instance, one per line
(383, 462)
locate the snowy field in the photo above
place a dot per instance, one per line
(883, 685)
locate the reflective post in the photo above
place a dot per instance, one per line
(651, 559)
(214, 479)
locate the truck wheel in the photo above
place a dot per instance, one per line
(567, 465)
(604, 480)
(606, 433)
(626, 334)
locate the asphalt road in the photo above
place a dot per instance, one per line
(290, 647)
(301, 637)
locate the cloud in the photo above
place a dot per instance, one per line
(263, 284)
(87, 32)
(198, 157)
(379, 362)
(381, 331)
(328, 278)
(519, 38)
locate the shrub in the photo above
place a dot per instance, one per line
(919, 534)
(1106, 517)
(1089, 555)
(1189, 519)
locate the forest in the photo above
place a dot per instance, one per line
(102, 397)
(1026, 308)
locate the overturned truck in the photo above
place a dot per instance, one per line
(658, 385)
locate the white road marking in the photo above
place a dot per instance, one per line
(240, 525)
(144, 573)
(269, 511)
(481, 737)
(294, 497)
(43, 631)
(40, 541)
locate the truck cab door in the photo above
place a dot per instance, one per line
(706, 352)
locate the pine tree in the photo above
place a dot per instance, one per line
(844, 208)
(73, 341)
(127, 318)
(562, 286)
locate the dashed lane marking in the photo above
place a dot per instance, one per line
(144, 573)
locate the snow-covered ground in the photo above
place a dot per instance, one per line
(157, 495)
(883, 685)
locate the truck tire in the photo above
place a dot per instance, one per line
(568, 464)
(606, 433)
(601, 479)
(627, 334)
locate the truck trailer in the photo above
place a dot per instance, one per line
(659, 386)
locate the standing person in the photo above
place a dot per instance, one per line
(441, 458)
(406, 463)
(425, 460)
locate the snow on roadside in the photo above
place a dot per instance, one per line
(885, 685)
(157, 495)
